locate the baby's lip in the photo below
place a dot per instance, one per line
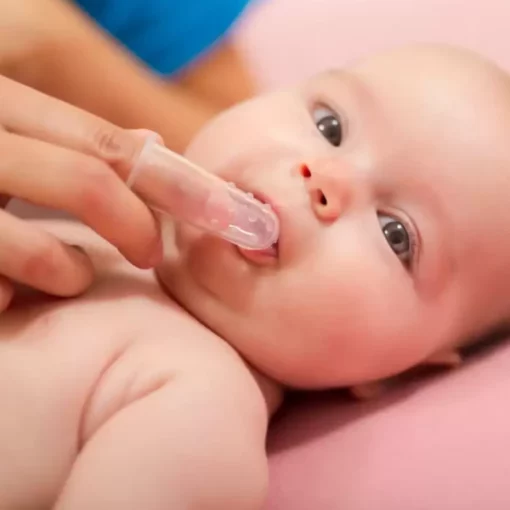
(267, 257)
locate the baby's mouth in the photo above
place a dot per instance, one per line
(267, 256)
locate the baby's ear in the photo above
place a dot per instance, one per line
(447, 358)
(369, 391)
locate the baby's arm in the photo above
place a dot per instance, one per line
(193, 440)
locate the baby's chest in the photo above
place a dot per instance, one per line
(49, 361)
(65, 368)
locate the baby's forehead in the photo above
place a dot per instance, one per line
(429, 74)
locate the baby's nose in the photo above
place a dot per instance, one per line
(329, 194)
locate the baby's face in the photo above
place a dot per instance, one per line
(392, 184)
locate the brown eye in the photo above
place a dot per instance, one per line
(397, 236)
(328, 124)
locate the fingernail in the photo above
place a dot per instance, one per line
(147, 133)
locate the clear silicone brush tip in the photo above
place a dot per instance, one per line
(171, 184)
(252, 224)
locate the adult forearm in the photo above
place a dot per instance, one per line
(83, 66)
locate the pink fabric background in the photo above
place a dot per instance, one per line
(290, 39)
(442, 444)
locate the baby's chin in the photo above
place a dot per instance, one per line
(268, 352)
(204, 274)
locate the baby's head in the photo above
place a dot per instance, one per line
(392, 183)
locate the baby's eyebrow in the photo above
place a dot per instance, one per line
(334, 72)
(344, 76)
(357, 88)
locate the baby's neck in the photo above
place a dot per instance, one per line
(272, 391)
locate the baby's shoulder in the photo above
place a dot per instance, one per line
(125, 321)
(68, 366)
(119, 341)
(184, 355)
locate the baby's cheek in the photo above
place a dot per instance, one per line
(355, 327)
(222, 138)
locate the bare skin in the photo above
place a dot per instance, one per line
(63, 158)
(410, 141)
(112, 376)
(128, 401)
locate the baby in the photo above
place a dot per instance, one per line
(391, 180)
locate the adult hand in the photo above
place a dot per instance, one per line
(55, 155)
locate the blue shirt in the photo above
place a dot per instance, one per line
(165, 34)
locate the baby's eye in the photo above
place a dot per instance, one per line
(397, 236)
(328, 124)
